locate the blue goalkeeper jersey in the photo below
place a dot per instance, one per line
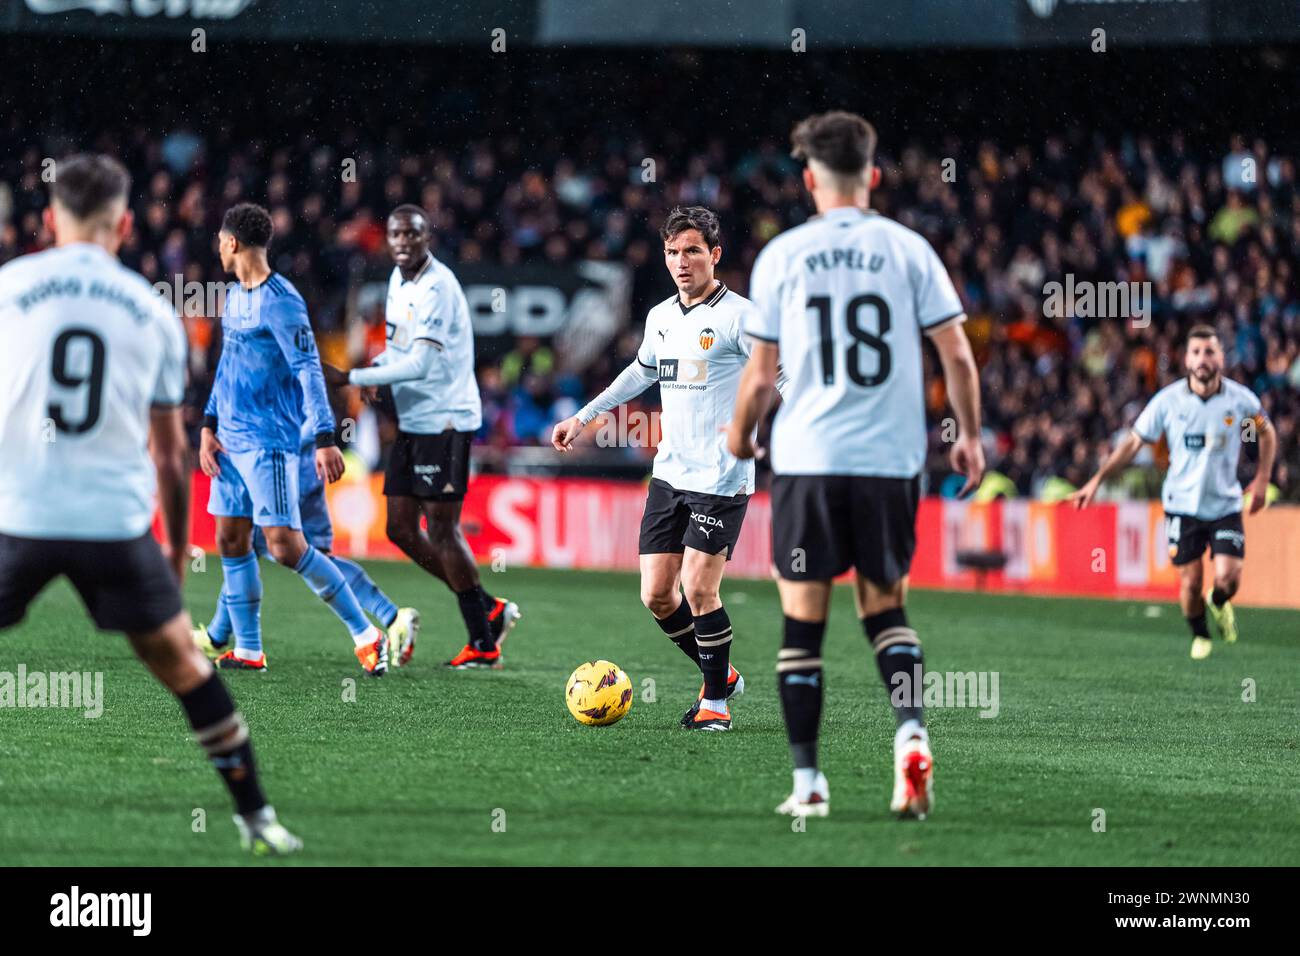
(269, 377)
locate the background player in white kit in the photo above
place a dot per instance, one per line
(92, 374)
(842, 303)
(1204, 417)
(429, 362)
(695, 348)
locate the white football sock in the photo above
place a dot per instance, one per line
(909, 729)
(805, 778)
(717, 706)
(247, 654)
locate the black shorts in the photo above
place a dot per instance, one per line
(125, 585)
(675, 520)
(429, 466)
(1189, 536)
(824, 524)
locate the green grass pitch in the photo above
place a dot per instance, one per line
(1100, 707)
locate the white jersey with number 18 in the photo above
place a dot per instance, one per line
(88, 348)
(847, 296)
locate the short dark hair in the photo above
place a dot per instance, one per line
(843, 142)
(87, 183)
(249, 223)
(692, 217)
(411, 211)
(1201, 332)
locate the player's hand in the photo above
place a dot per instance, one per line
(1083, 497)
(370, 394)
(334, 377)
(176, 560)
(739, 443)
(209, 448)
(967, 458)
(1258, 496)
(329, 464)
(564, 434)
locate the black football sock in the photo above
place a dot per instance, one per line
(799, 682)
(680, 628)
(1219, 597)
(899, 658)
(489, 602)
(1197, 623)
(223, 735)
(474, 612)
(713, 635)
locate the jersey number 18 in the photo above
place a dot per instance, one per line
(853, 354)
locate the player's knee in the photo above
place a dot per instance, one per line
(659, 602)
(285, 549)
(701, 599)
(233, 542)
(1228, 581)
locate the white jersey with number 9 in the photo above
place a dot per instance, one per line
(88, 348)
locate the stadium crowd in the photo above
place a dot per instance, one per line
(1213, 228)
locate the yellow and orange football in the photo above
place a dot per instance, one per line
(598, 693)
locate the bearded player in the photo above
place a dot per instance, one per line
(1205, 418)
(844, 302)
(694, 347)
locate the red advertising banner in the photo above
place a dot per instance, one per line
(1109, 550)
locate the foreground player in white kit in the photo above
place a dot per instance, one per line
(1204, 417)
(842, 302)
(429, 362)
(695, 349)
(92, 373)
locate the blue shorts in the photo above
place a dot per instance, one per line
(262, 485)
(316, 525)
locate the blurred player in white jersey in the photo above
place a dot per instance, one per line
(1205, 417)
(429, 362)
(694, 347)
(842, 302)
(92, 374)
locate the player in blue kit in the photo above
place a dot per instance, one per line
(402, 624)
(268, 374)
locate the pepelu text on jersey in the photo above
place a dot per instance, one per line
(848, 258)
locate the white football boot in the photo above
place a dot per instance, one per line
(913, 773)
(815, 802)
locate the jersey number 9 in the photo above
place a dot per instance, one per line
(74, 378)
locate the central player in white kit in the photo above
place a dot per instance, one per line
(429, 362)
(695, 348)
(842, 302)
(1205, 418)
(92, 373)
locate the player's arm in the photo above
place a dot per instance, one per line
(168, 446)
(169, 450)
(961, 379)
(1266, 435)
(753, 396)
(627, 385)
(413, 367)
(1115, 462)
(209, 446)
(292, 331)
